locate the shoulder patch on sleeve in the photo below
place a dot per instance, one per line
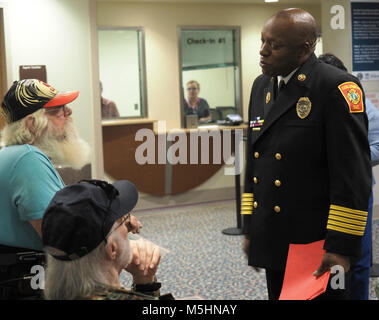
(353, 96)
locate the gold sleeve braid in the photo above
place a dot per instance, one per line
(247, 203)
(347, 220)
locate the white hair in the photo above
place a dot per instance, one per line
(81, 278)
(67, 280)
(18, 132)
(64, 148)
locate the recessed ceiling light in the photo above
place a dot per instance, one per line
(271, 0)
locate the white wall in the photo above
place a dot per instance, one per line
(59, 34)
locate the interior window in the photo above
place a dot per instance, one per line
(121, 63)
(210, 74)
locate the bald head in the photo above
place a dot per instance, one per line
(288, 39)
(302, 24)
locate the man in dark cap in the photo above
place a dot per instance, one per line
(308, 172)
(85, 235)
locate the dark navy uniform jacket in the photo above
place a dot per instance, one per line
(308, 172)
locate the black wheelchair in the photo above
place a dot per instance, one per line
(16, 273)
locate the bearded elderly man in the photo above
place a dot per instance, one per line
(308, 170)
(39, 133)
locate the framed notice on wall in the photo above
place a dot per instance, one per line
(33, 72)
(365, 39)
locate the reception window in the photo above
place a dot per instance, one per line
(122, 72)
(210, 57)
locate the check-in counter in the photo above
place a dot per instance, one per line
(163, 175)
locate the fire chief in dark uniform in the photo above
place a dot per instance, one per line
(308, 174)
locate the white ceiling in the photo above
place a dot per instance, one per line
(221, 1)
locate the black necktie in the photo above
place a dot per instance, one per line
(276, 92)
(275, 89)
(282, 85)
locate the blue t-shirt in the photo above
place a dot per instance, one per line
(28, 181)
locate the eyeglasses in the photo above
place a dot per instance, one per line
(124, 220)
(191, 88)
(56, 111)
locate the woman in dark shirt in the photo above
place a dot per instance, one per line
(195, 105)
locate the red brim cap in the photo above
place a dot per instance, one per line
(62, 98)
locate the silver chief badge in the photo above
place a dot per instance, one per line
(303, 107)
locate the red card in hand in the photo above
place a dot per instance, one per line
(302, 261)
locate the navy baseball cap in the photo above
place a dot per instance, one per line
(80, 216)
(29, 95)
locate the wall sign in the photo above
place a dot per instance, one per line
(365, 39)
(207, 47)
(33, 72)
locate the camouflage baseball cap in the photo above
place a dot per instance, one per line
(27, 96)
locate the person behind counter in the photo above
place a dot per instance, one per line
(194, 104)
(108, 107)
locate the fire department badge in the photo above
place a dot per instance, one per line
(303, 107)
(353, 96)
(268, 97)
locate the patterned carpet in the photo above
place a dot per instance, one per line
(199, 261)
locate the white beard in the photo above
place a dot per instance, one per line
(125, 256)
(65, 149)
